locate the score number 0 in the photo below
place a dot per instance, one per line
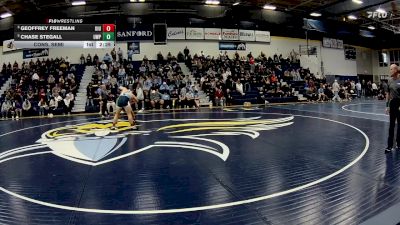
(108, 32)
(108, 27)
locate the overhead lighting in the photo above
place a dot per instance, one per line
(358, 2)
(269, 7)
(212, 2)
(142, 0)
(315, 14)
(236, 3)
(379, 10)
(5, 15)
(78, 3)
(351, 17)
(371, 27)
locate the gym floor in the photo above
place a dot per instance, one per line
(285, 164)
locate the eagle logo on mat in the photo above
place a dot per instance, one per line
(95, 144)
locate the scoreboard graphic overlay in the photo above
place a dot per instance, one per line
(64, 35)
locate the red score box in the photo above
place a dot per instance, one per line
(108, 27)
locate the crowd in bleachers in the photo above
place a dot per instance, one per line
(48, 86)
(161, 83)
(38, 87)
(237, 79)
(226, 79)
(157, 84)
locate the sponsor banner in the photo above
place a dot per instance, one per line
(212, 34)
(176, 33)
(9, 45)
(247, 35)
(236, 46)
(263, 36)
(35, 53)
(134, 34)
(326, 42)
(332, 43)
(230, 34)
(195, 33)
(134, 46)
(340, 44)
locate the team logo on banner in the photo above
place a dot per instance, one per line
(35, 53)
(233, 46)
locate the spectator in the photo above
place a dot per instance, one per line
(121, 75)
(160, 58)
(102, 92)
(190, 98)
(374, 89)
(140, 96)
(53, 105)
(164, 87)
(142, 69)
(95, 59)
(180, 57)
(26, 106)
(358, 89)
(148, 83)
(89, 94)
(82, 59)
(114, 54)
(321, 94)
(42, 107)
(130, 54)
(120, 55)
(68, 103)
(111, 106)
(169, 56)
(155, 98)
(166, 98)
(219, 97)
(5, 109)
(239, 87)
(107, 58)
(89, 60)
(186, 52)
(335, 89)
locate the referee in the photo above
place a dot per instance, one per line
(392, 105)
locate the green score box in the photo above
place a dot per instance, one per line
(108, 36)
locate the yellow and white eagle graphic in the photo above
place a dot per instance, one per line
(94, 143)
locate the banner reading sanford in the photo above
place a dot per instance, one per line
(135, 33)
(34, 53)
